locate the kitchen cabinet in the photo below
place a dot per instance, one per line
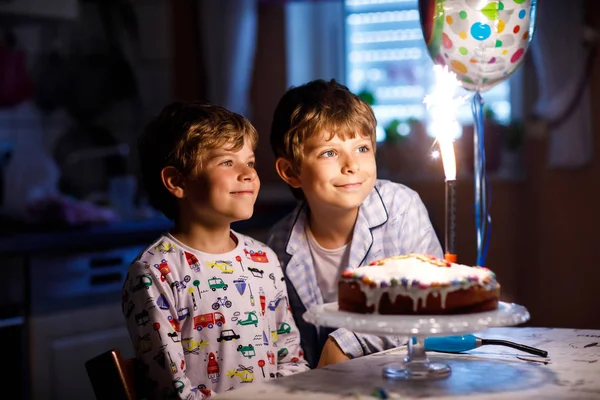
(62, 342)
(75, 314)
(12, 321)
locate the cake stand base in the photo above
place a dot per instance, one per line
(397, 371)
(416, 365)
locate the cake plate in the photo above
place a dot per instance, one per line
(416, 364)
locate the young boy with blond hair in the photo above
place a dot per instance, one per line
(323, 138)
(205, 305)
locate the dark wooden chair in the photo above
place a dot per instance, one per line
(114, 377)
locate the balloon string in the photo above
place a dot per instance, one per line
(485, 217)
(486, 193)
(480, 183)
(489, 223)
(476, 173)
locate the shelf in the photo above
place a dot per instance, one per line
(10, 322)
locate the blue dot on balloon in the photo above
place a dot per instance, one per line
(480, 31)
(522, 14)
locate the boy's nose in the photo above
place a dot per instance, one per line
(350, 165)
(248, 174)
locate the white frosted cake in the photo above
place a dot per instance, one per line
(417, 284)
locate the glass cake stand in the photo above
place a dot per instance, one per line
(416, 364)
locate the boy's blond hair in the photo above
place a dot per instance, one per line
(179, 137)
(315, 107)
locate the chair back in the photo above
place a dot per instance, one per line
(114, 377)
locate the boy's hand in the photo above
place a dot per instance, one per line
(331, 354)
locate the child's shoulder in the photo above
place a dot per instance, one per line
(394, 192)
(163, 247)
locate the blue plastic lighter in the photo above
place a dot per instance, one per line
(458, 344)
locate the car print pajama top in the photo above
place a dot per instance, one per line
(204, 323)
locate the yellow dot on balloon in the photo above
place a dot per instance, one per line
(501, 26)
(449, 20)
(458, 67)
(463, 35)
(504, 52)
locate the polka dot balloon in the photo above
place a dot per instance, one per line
(482, 41)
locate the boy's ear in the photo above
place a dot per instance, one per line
(173, 181)
(286, 172)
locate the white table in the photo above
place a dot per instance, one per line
(571, 371)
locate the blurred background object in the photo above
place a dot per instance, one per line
(15, 83)
(19, 12)
(82, 70)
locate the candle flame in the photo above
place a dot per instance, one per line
(448, 159)
(442, 104)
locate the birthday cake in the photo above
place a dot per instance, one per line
(417, 284)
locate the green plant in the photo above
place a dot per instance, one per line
(367, 96)
(391, 132)
(489, 114)
(397, 131)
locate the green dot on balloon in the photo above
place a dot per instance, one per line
(519, 1)
(491, 11)
(463, 51)
(500, 6)
(484, 80)
(462, 15)
(498, 43)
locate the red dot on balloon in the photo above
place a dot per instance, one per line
(157, 326)
(261, 363)
(238, 258)
(515, 57)
(517, 29)
(446, 41)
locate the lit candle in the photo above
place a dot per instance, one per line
(442, 104)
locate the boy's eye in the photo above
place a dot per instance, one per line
(364, 149)
(328, 153)
(227, 163)
(251, 164)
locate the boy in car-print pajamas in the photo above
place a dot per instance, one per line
(206, 308)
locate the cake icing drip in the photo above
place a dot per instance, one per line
(416, 276)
